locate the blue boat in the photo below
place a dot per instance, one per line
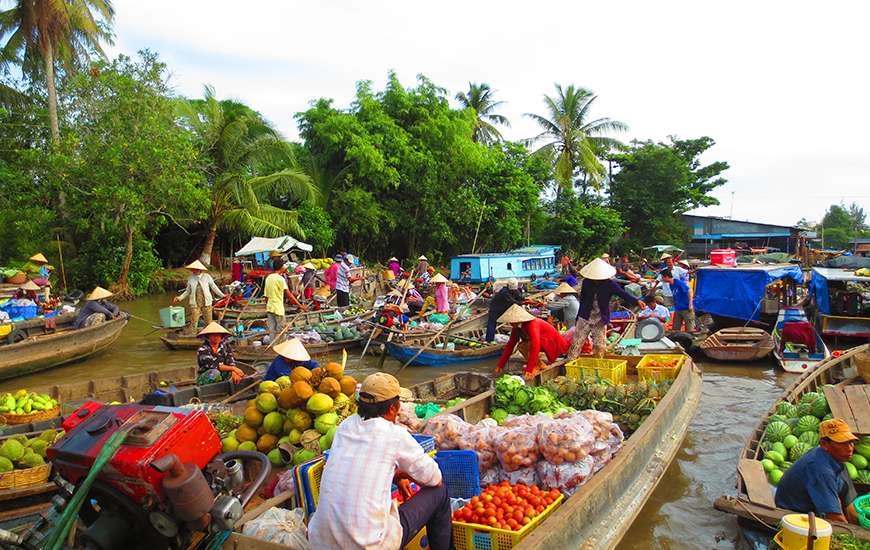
(738, 293)
(459, 347)
(842, 310)
(521, 263)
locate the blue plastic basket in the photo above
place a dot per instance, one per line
(22, 312)
(459, 469)
(425, 441)
(862, 506)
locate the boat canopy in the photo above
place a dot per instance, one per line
(738, 293)
(662, 248)
(819, 285)
(258, 245)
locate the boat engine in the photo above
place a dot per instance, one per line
(167, 481)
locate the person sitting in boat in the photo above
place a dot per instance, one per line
(442, 304)
(570, 278)
(817, 482)
(571, 304)
(214, 358)
(413, 299)
(394, 266)
(531, 336)
(199, 291)
(96, 307)
(654, 310)
(501, 301)
(29, 291)
(624, 271)
(291, 354)
(38, 268)
(597, 290)
(422, 265)
(369, 453)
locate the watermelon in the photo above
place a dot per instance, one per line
(783, 408)
(786, 465)
(859, 461)
(789, 441)
(820, 407)
(809, 397)
(828, 416)
(776, 431)
(863, 449)
(768, 465)
(864, 476)
(810, 438)
(853, 471)
(799, 450)
(808, 423)
(778, 418)
(804, 409)
(775, 457)
(775, 476)
(780, 448)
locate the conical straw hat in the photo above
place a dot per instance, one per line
(196, 264)
(565, 288)
(308, 265)
(405, 283)
(665, 256)
(38, 258)
(423, 258)
(292, 349)
(213, 328)
(29, 285)
(515, 314)
(438, 278)
(323, 292)
(393, 259)
(98, 294)
(598, 270)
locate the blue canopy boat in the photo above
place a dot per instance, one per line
(841, 306)
(741, 293)
(797, 345)
(467, 346)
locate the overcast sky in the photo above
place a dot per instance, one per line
(781, 86)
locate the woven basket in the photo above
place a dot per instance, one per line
(17, 279)
(16, 479)
(862, 362)
(13, 419)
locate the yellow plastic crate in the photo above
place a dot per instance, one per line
(645, 371)
(471, 536)
(592, 369)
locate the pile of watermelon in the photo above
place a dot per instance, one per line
(794, 430)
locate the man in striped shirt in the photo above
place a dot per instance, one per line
(343, 281)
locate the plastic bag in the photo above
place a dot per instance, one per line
(517, 447)
(408, 417)
(529, 476)
(566, 477)
(286, 482)
(480, 440)
(490, 477)
(566, 440)
(281, 526)
(448, 431)
(427, 411)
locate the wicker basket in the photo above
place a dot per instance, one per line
(862, 362)
(13, 419)
(16, 479)
(17, 279)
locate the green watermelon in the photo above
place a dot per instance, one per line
(804, 409)
(778, 418)
(808, 423)
(768, 465)
(809, 397)
(789, 441)
(775, 476)
(776, 431)
(820, 407)
(775, 457)
(859, 461)
(864, 476)
(810, 438)
(780, 448)
(853, 471)
(783, 408)
(799, 450)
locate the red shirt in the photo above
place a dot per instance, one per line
(331, 275)
(541, 336)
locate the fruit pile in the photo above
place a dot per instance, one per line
(320, 263)
(302, 410)
(20, 453)
(506, 506)
(25, 402)
(336, 333)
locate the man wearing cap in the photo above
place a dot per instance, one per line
(214, 358)
(96, 306)
(200, 286)
(533, 336)
(369, 453)
(678, 273)
(291, 354)
(817, 482)
(500, 302)
(275, 289)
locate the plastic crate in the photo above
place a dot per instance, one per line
(593, 369)
(22, 312)
(460, 471)
(471, 536)
(862, 506)
(646, 372)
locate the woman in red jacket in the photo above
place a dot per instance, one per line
(533, 336)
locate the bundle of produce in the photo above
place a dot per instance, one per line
(21, 453)
(425, 411)
(506, 506)
(320, 263)
(567, 439)
(225, 422)
(299, 412)
(517, 447)
(448, 430)
(409, 419)
(26, 402)
(513, 396)
(336, 333)
(481, 440)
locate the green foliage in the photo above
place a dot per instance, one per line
(317, 226)
(584, 229)
(841, 224)
(101, 257)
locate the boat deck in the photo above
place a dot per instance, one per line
(852, 404)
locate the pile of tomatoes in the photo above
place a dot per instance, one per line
(506, 506)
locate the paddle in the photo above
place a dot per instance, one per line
(372, 335)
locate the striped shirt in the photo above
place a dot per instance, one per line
(341, 277)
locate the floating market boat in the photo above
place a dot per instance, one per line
(841, 308)
(801, 353)
(255, 353)
(738, 344)
(57, 346)
(466, 346)
(843, 381)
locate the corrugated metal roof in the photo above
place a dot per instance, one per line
(832, 274)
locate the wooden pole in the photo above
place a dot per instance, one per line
(431, 340)
(476, 231)
(62, 271)
(390, 336)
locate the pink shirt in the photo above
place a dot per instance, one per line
(331, 275)
(441, 303)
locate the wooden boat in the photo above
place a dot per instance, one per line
(797, 358)
(253, 354)
(56, 347)
(738, 344)
(754, 502)
(37, 324)
(470, 347)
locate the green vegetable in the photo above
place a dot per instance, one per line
(768, 465)
(499, 415)
(853, 471)
(799, 450)
(776, 431)
(776, 457)
(775, 476)
(810, 438)
(859, 461)
(789, 441)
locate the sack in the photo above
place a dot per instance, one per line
(281, 526)
(448, 430)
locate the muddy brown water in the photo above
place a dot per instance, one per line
(679, 514)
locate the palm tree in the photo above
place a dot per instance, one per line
(42, 32)
(574, 141)
(479, 97)
(246, 163)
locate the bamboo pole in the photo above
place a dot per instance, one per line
(432, 339)
(62, 271)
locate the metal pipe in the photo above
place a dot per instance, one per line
(262, 474)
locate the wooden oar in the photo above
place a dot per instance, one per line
(432, 339)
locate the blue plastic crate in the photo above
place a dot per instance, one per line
(425, 441)
(22, 312)
(459, 469)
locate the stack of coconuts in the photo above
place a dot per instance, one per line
(294, 418)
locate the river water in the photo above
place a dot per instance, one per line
(680, 512)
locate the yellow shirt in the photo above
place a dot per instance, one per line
(274, 292)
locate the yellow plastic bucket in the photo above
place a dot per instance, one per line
(796, 529)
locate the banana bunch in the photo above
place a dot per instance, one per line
(25, 402)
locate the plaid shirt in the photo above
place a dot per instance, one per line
(355, 509)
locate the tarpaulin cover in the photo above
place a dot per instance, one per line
(819, 291)
(738, 293)
(264, 244)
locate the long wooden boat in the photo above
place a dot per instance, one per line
(738, 344)
(798, 359)
(253, 354)
(37, 325)
(754, 503)
(62, 345)
(601, 511)
(469, 347)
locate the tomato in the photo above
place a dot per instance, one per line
(491, 520)
(518, 515)
(526, 520)
(540, 508)
(534, 500)
(487, 497)
(554, 494)
(534, 490)
(512, 523)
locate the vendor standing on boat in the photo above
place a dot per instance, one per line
(817, 482)
(95, 307)
(200, 286)
(501, 301)
(369, 453)
(422, 265)
(442, 304)
(597, 290)
(678, 273)
(309, 277)
(214, 358)
(684, 310)
(291, 354)
(275, 289)
(394, 266)
(343, 280)
(531, 336)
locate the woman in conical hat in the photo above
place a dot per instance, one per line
(598, 289)
(442, 304)
(291, 354)
(97, 306)
(201, 291)
(568, 296)
(531, 336)
(215, 357)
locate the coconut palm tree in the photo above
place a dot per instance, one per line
(480, 98)
(574, 141)
(40, 33)
(245, 162)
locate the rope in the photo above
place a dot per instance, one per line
(756, 518)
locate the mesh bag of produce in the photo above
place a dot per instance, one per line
(408, 417)
(490, 477)
(480, 439)
(566, 477)
(517, 447)
(566, 440)
(528, 476)
(448, 430)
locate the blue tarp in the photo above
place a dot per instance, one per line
(738, 293)
(819, 291)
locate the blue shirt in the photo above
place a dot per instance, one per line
(815, 483)
(570, 279)
(680, 291)
(282, 367)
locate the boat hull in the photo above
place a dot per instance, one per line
(265, 353)
(797, 362)
(442, 358)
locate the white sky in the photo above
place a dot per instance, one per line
(781, 86)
